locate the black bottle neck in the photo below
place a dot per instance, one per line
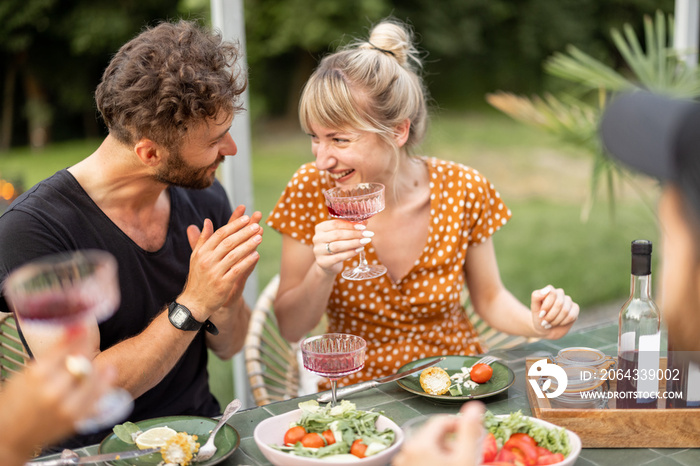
(641, 264)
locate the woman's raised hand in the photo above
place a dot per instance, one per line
(336, 241)
(553, 311)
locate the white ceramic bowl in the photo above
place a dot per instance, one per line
(574, 440)
(271, 432)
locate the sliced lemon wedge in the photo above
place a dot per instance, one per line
(154, 438)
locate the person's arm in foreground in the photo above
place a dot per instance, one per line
(433, 444)
(551, 313)
(41, 405)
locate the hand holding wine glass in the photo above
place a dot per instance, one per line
(60, 298)
(40, 405)
(357, 204)
(333, 355)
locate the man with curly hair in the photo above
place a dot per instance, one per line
(149, 196)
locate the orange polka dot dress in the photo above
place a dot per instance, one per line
(422, 314)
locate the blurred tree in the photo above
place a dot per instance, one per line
(52, 52)
(483, 45)
(285, 37)
(474, 47)
(52, 55)
(20, 22)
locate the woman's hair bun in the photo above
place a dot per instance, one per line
(394, 38)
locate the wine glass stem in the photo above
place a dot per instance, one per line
(363, 261)
(363, 265)
(334, 383)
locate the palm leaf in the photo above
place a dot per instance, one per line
(656, 68)
(581, 68)
(572, 121)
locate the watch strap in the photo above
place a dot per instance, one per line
(210, 327)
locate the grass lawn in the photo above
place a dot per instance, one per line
(543, 183)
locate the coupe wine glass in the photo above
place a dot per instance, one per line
(58, 297)
(333, 355)
(357, 204)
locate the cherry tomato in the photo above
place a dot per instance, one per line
(523, 447)
(489, 448)
(294, 435)
(358, 448)
(505, 456)
(313, 440)
(330, 438)
(481, 373)
(551, 458)
(521, 436)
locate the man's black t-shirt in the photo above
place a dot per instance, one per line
(57, 215)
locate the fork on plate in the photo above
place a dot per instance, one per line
(488, 360)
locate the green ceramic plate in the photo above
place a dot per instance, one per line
(501, 379)
(227, 440)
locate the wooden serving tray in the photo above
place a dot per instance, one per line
(623, 428)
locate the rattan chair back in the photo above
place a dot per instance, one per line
(271, 361)
(13, 356)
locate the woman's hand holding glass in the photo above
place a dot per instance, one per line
(336, 241)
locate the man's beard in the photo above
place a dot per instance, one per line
(177, 172)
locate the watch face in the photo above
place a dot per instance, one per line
(179, 317)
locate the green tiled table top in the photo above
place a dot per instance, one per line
(401, 406)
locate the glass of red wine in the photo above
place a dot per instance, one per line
(357, 204)
(333, 355)
(60, 298)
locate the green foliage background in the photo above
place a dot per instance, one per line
(52, 52)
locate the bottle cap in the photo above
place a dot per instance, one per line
(641, 246)
(641, 257)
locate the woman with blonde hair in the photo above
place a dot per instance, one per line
(365, 110)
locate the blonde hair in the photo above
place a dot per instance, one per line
(370, 85)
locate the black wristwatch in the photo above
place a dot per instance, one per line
(181, 318)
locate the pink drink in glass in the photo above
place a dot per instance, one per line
(333, 366)
(333, 355)
(58, 297)
(357, 204)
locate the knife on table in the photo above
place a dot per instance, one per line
(124, 455)
(345, 391)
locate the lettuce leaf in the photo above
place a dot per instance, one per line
(124, 432)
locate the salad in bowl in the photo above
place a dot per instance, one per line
(316, 434)
(523, 440)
